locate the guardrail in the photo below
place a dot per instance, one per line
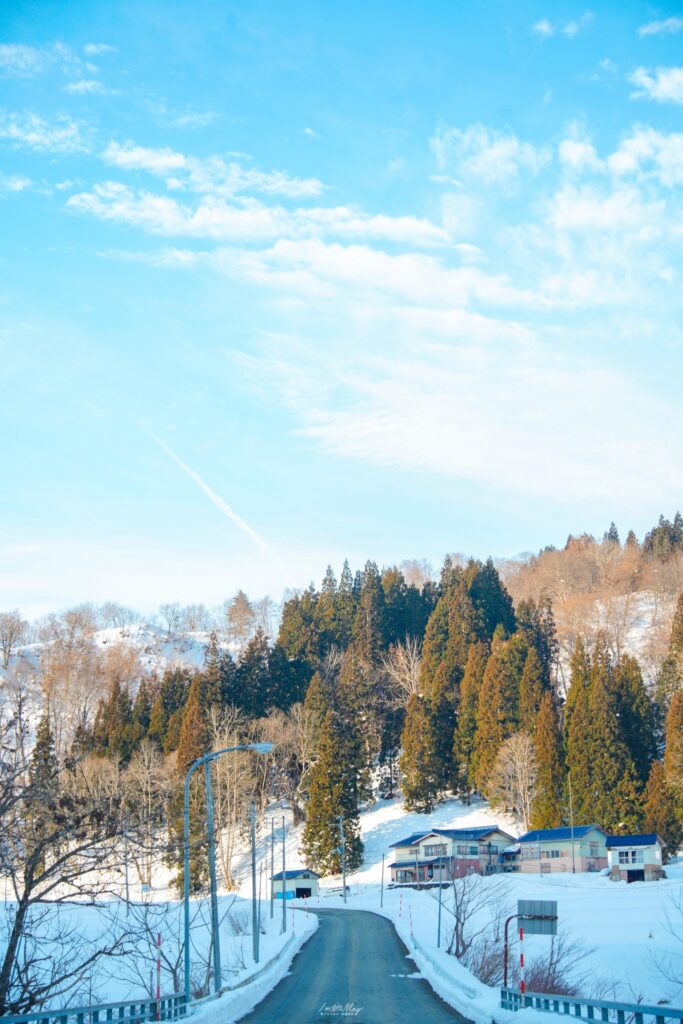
(591, 1009)
(128, 1012)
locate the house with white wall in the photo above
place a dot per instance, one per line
(441, 854)
(575, 848)
(636, 858)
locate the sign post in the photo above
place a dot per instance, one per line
(535, 917)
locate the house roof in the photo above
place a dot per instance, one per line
(546, 835)
(296, 873)
(646, 839)
(450, 833)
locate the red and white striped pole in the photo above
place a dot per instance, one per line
(522, 987)
(400, 905)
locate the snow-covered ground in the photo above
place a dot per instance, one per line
(623, 926)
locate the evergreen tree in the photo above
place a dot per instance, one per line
(673, 752)
(43, 788)
(613, 797)
(498, 711)
(252, 678)
(195, 733)
(420, 771)
(464, 738)
(345, 607)
(612, 536)
(389, 752)
(636, 715)
(332, 793)
(530, 692)
(112, 729)
(577, 726)
(167, 707)
(660, 814)
(548, 806)
(631, 540)
(368, 625)
(536, 622)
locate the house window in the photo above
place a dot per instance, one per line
(630, 856)
(436, 851)
(474, 850)
(595, 849)
(462, 850)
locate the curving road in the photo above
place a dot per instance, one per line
(353, 968)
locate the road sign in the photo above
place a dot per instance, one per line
(537, 917)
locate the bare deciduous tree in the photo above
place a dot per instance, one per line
(402, 668)
(171, 616)
(512, 784)
(12, 632)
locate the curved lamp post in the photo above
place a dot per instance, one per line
(258, 748)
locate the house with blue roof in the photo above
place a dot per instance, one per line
(636, 858)
(570, 849)
(299, 883)
(441, 854)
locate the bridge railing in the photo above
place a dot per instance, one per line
(598, 1010)
(167, 1008)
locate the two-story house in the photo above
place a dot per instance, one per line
(444, 853)
(577, 848)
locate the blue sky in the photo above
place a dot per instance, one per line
(282, 283)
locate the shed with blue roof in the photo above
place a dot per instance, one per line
(636, 858)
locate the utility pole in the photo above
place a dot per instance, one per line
(381, 891)
(571, 819)
(284, 901)
(272, 866)
(438, 922)
(254, 919)
(342, 850)
(217, 981)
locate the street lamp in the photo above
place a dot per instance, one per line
(258, 748)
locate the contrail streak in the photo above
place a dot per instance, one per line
(221, 505)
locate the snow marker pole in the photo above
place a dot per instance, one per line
(400, 905)
(522, 984)
(158, 975)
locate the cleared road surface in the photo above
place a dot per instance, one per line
(353, 968)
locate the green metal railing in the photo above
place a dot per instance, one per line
(129, 1012)
(597, 1010)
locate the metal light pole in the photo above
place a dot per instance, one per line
(212, 876)
(284, 901)
(259, 748)
(272, 866)
(254, 920)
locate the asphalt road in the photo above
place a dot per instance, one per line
(353, 968)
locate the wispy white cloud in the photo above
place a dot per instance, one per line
(214, 498)
(486, 155)
(98, 49)
(61, 135)
(668, 26)
(245, 219)
(665, 85)
(546, 28)
(89, 86)
(212, 175)
(13, 183)
(20, 61)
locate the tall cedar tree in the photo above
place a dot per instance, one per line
(673, 752)
(194, 742)
(613, 797)
(660, 814)
(498, 711)
(43, 789)
(166, 715)
(112, 729)
(670, 677)
(537, 623)
(463, 741)
(333, 793)
(420, 773)
(577, 726)
(531, 688)
(636, 715)
(548, 807)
